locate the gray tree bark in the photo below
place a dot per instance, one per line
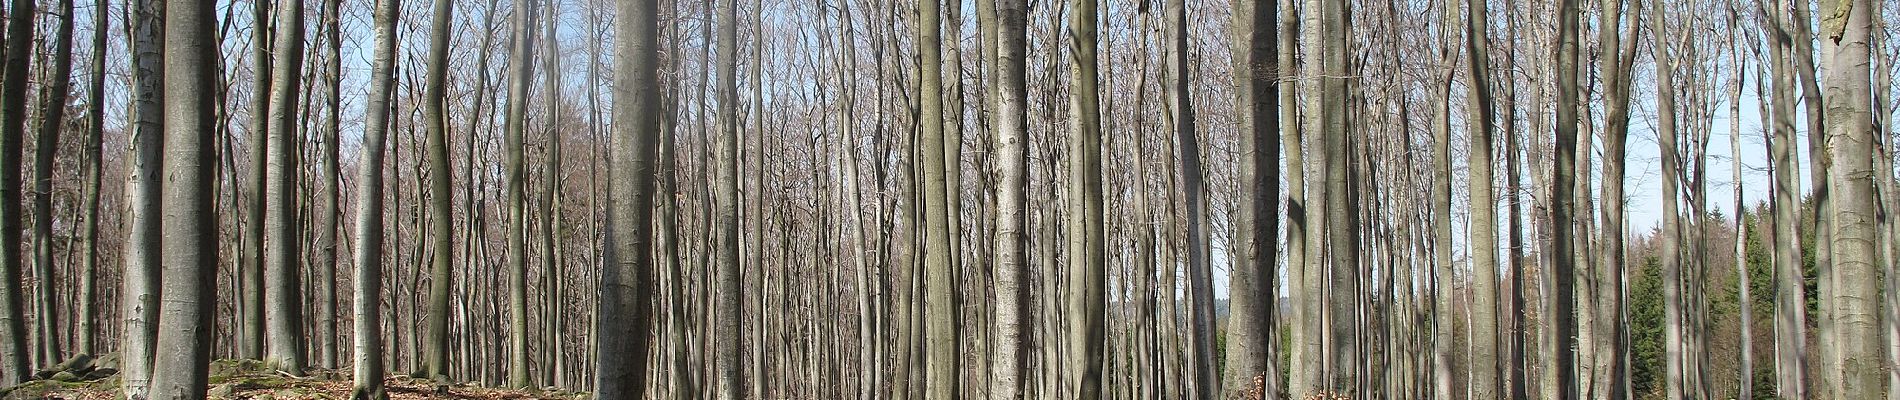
(626, 286)
(1086, 313)
(94, 166)
(1610, 345)
(1200, 289)
(435, 347)
(144, 162)
(328, 212)
(13, 82)
(185, 325)
(941, 376)
(729, 313)
(283, 246)
(1483, 237)
(516, 130)
(1251, 364)
(1013, 317)
(1791, 367)
(251, 344)
(1563, 199)
(1445, 275)
(52, 115)
(1846, 26)
(369, 211)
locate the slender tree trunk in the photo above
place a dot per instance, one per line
(1563, 187)
(941, 374)
(1444, 286)
(435, 346)
(144, 163)
(1251, 364)
(729, 312)
(1791, 367)
(1485, 360)
(1610, 331)
(13, 82)
(283, 250)
(327, 217)
(1086, 312)
(89, 226)
(52, 115)
(185, 326)
(1013, 315)
(626, 285)
(1341, 226)
(252, 275)
(1200, 278)
(1745, 300)
(369, 212)
(757, 375)
(1674, 378)
(516, 129)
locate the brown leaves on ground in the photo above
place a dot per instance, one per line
(247, 383)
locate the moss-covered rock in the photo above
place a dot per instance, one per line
(39, 389)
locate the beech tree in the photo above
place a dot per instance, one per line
(369, 216)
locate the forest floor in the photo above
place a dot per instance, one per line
(234, 379)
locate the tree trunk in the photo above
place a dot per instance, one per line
(516, 129)
(329, 210)
(1846, 29)
(252, 276)
(941, 374)
(729, 312)
(1444, 274)
(1674, 379)
(19, 53)
(94, 166)
(1341, 226)
(369, 212)
(1610, 347)
(1791, 367)
(1013, 316)
(181, 363)
(435, 346)
(144, 163)
(1251, 364)
(1483, 237)
(52, 120)
(1746, 316)
(1200, 288)
(626, 287)
(1086, 312)
(1563, 199)
(283, 250)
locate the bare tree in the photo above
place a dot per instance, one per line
(436, 345)
(94, 165)
(327, 217)
(283, 246)
(1013, 317)
(626, 285)
(369, 212)
(52, 120)
(728, 311)
(1790, 289)
(19, 53)
(1485, 362)
(515, 130)
(1847, 26)
(144, 162)
(1087, 315)
(181, 364)
(1250, 367)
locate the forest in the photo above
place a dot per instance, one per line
(925, 199)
